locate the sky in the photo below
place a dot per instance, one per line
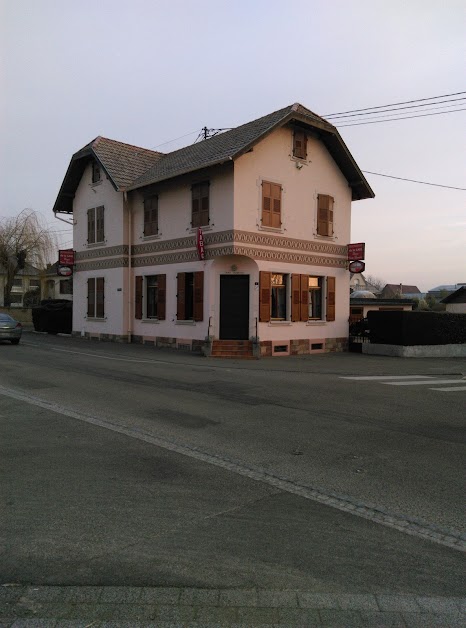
(149, 71)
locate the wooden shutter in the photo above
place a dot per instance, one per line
(198, 306)
(276, 205)
(151, 216)
(90, 226)
(161, 297)
(99, 220)
(99, 309)
(91, 298)
(180, 296)
(265, 296)
(300, 145)
(330, 298)
(324, 215)
(295, 298)
(204, 201)
(304, 289)
(138, 298)
(266, 204)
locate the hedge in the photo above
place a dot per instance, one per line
(416, 328)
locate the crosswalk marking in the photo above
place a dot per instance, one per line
(374, 377)
(412, 380)
(423, 382)
(448, 389)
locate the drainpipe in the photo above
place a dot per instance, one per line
(130, 283)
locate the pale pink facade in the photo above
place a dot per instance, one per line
(241, 255)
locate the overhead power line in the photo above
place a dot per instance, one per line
(393, 104)
(402, 109)
(421, 115)
(437, 185)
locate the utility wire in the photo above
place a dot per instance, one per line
(437, 185)
(174, 140)
(402, 109)
(393, 104)
(423, 115)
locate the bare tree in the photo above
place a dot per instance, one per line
(376, 281)
(24, 239)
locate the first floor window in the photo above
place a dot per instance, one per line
(200, 204)
(34, 283)
(299, 144)
(190, 296)
(95, 225)
(66, 286)
(324, 215)
(95, 297)
(271, 205)
(278, 297)
(315, 298)
(150, 297)
(151, 216)
(95, 172)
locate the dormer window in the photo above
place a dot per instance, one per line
(299, 144)
(95, 172)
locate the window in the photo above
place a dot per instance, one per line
(271, 205)
(150, 297)
(66, 286)
(315, 298)
(17, 283)
(299, 144)
(95, 172)
(278, 297)
(324, 215)
(34, 283)
(190, 296)
(95, 225)
(151, 216)
(200, 204)
(95, 297)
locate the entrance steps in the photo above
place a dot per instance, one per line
(239, 349)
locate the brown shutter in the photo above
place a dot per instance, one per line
(198, 309)
(300, 145)
(304, 287)
(138, 299)
(99, 219)
(295, 300)
(265, 296)
(91, 298)
(100, 283)
(204, 212)
(180, 296)
(330, 216)
(161, 296)
(276, 205)
(90, 226)
(325, 215)
(266, 204)
(330, 298)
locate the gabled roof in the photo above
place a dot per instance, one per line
(232, 144)
(123, 163)
(397, 288)
(130, 167)
(459, 296)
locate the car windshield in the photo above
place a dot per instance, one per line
(4, 318)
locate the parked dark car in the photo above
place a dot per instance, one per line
(53, 316)
(10, 329)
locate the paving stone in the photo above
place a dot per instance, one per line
(424, 620)
(298, 617)
(194, 597)
(121, 595)
(254, 616)
(179, 613)
(341, 619)
(277, 598)
(357, 602)
(399, 603)
(163, 595)
(379, 619)
(318, 600)
(238, 598)
(219, 614)
(438, 604)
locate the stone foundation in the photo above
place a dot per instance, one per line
(302, 346)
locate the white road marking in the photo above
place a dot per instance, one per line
(453, 388)
(424, 530)
(382, 377)
(423, 382)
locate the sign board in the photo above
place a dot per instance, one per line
(356, 251)
(64, 271)
(66, 257)
(200, 244)
(357, 267)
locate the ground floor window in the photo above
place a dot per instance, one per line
(315, 298)
(278, 296)
(190, 296)
(150, 297)
(95, 297)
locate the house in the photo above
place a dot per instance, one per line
(28, 279)
(359, 282)
(440, 292)
(364, 301)
(57, 287)
(456, 301)
(237, 241)
(398, 290)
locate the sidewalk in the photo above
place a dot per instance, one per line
(100, 607)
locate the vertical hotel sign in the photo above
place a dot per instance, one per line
(200, 244)
(65, 262)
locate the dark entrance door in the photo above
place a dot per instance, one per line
(234, 307)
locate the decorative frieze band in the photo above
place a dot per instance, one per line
(290, 258)
(102, 264)
(110, 251)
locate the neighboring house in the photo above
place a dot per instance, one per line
(273, 201)
(26, 279)
(364, 301)
(440, 292)
(359, 282)
(398, 290)
(57, 287)
(456, 301)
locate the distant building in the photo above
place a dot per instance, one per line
(439, 292)
(399, 290)
(364, 301)
(359, 282)
(27, 279)
(456, 301)
(57, 287)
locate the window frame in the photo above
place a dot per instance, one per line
(190, 296)
(321, 279)
(271, 205)
(281, 293)
(96, 176)
(151, 206)
(96, 298)
(96, 225)
(325, 221)
(299, 152)
(200, 204)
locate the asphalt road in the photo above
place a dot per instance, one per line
(123, 465)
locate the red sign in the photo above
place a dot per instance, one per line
(64, 271)
(200, 243)
(66, 257)
(356, 251)
(357, 267)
